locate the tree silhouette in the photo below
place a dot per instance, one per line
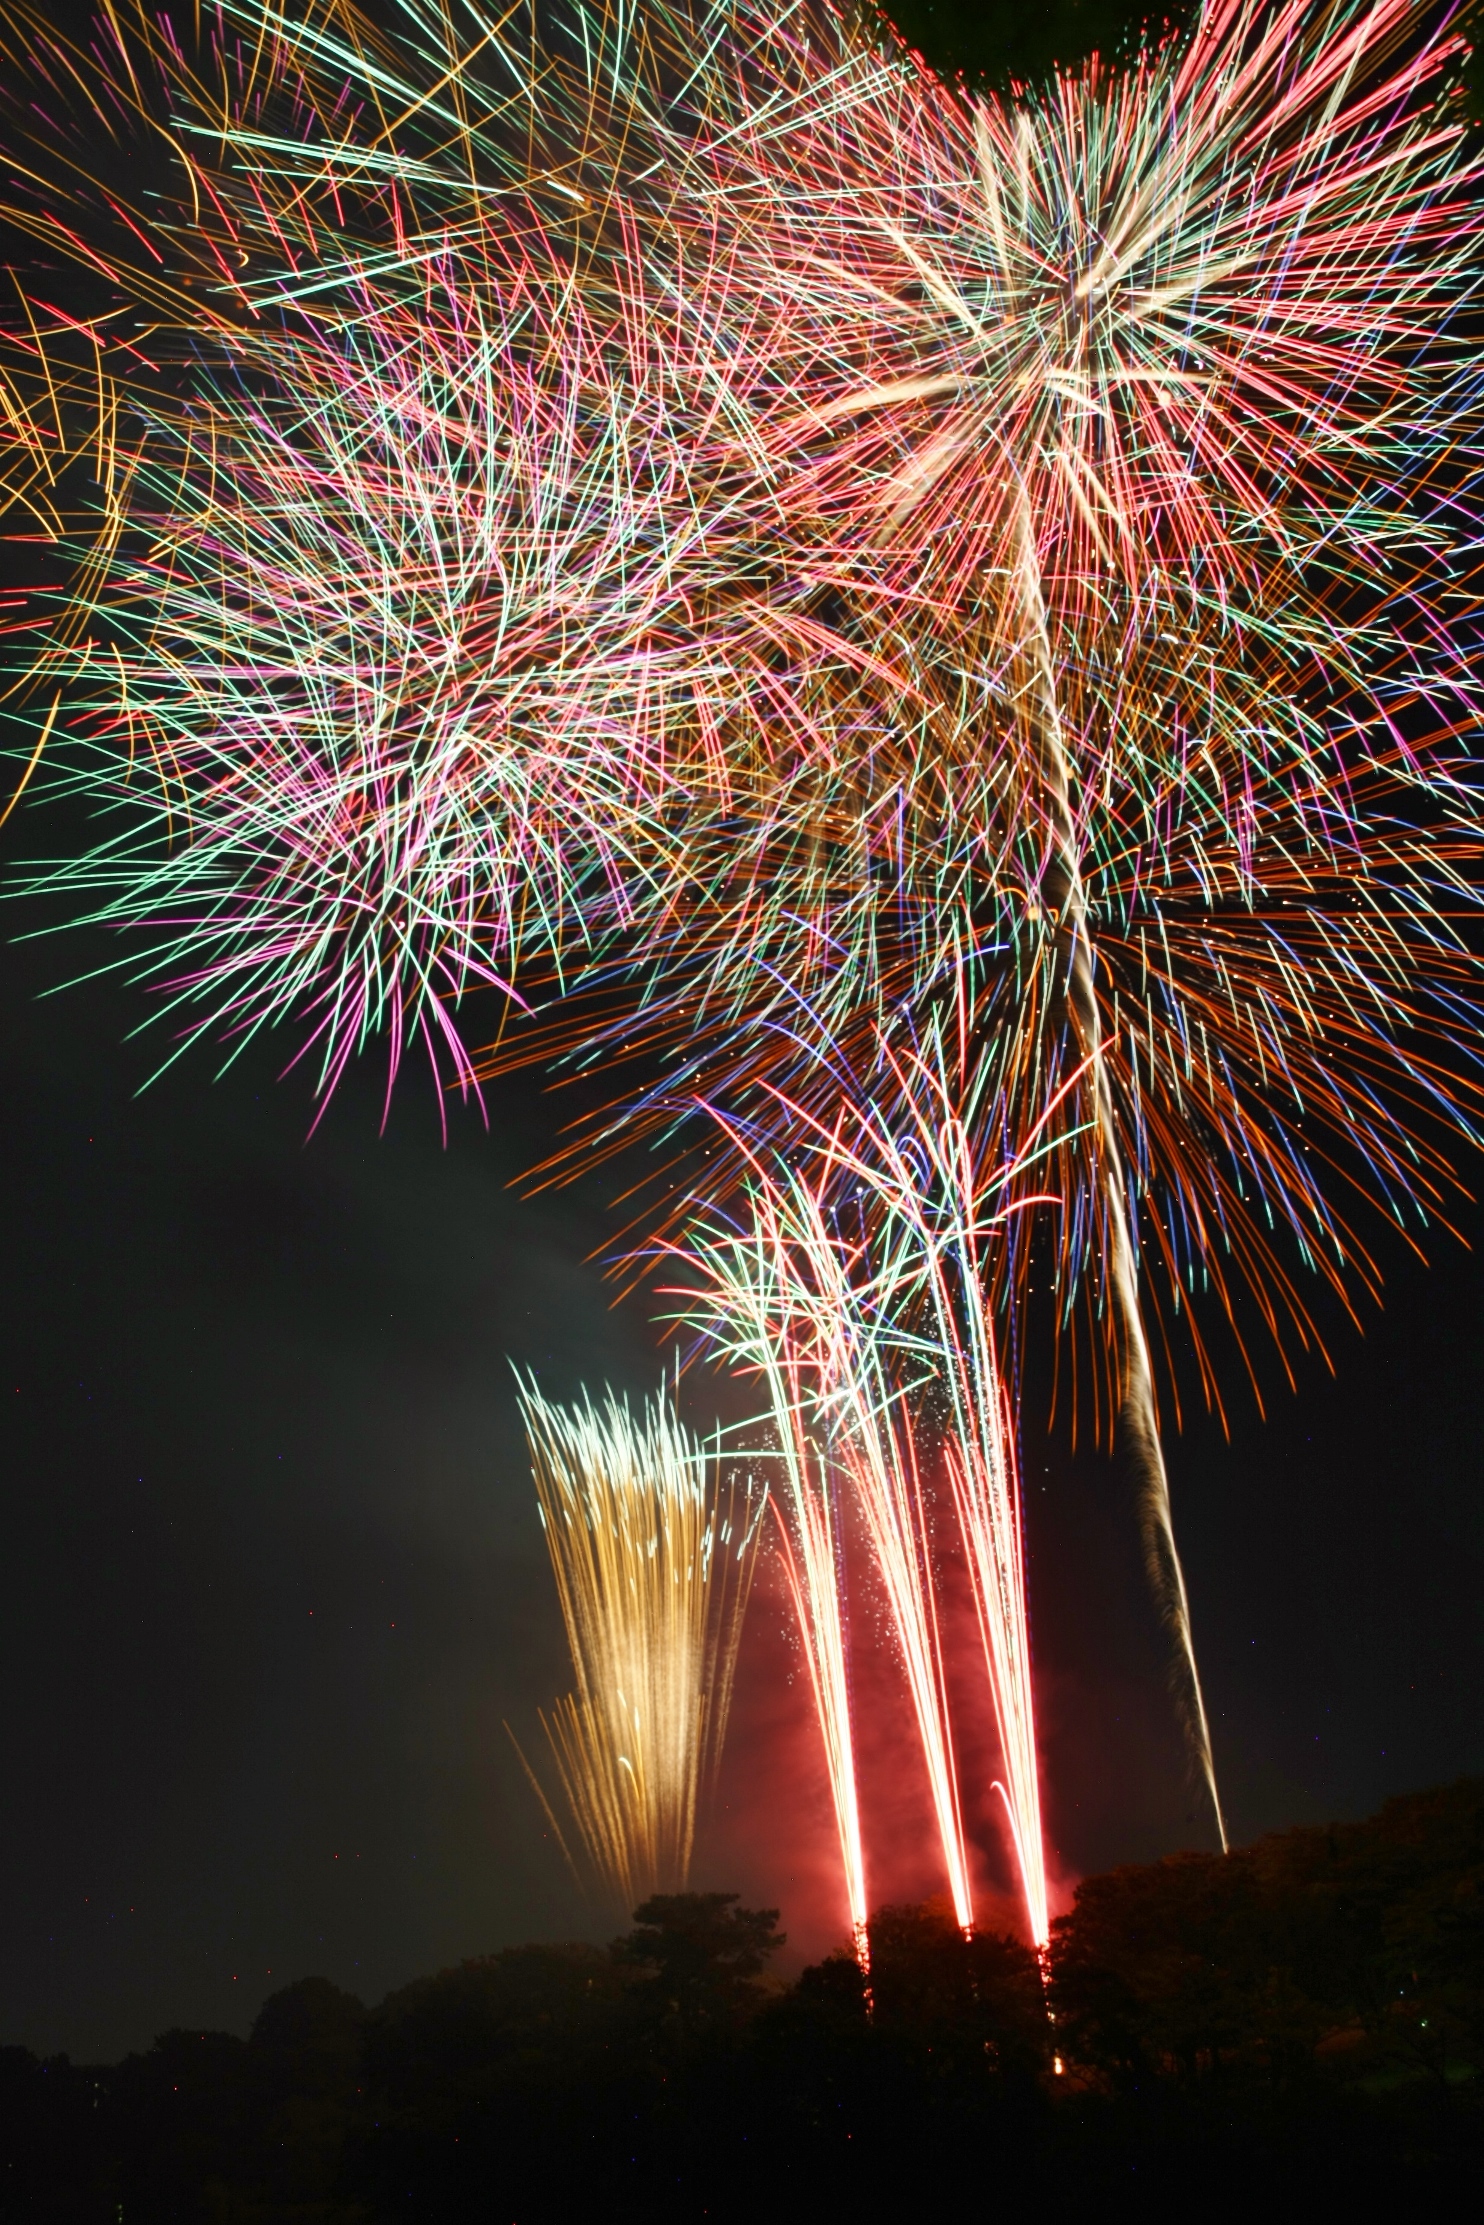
(705, 1953)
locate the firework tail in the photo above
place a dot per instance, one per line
(808, 1528)
(878, 1450)
(1161, 1558)
(1066, 900)
(987, 1500)
(835, 1361)
(986, 1490)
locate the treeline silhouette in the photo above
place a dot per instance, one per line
(1302, 2019)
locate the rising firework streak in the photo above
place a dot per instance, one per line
(855, 1284)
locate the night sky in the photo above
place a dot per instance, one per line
(274, 1580)
(274, 1575)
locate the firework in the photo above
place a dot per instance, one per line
(1134, 425)
(988, 593)
(653, 1557)
(856, 1284)
(375, 697)
(748, 1306)
(428, 641)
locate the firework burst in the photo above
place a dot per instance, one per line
(653, 1556)
(428, 644)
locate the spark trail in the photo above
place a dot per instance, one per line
(1066, 900)
(748, 1305)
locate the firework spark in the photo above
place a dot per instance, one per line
(653, 1556)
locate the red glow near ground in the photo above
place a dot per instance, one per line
(772, 1833)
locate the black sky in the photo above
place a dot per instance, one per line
(274, 1576)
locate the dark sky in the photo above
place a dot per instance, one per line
(273, 1574)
